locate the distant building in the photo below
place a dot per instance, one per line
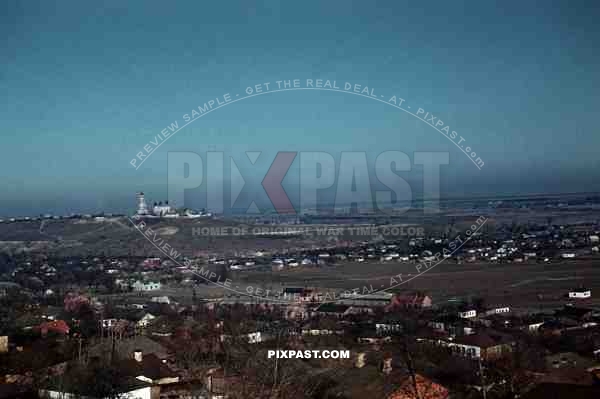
(410, 301)
(497, 310)
(164, 210)
(481, 346)
(146, 286)
(161, 209)
(145, 320)
(467, 313)
(108, 323)
(534, 326)
(162, 299)
(580, 293)
(142, 208)
(252, 338)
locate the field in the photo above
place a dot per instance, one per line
(518, 284)
(525, 287)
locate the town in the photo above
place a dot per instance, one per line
(155, 326)
(299, 200)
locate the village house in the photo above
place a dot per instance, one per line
(484, 346)
(580, 293)
(452, 324)
(415, 300)
(497, 310)
(140, 377)
(255, 337)
(296, 312)
(55, 326)
(386, 328)
(467, 313)
(145, 320)
(132, 389)
(129, 345)
(163, 299)
(148, 368)
(146, 286)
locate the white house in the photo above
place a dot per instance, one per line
(387, 327)
(253, 338)
(580, 293)
(162, 299)
(108, 323)
(467, 314)
(134, 393)
(146, 286)
(497, 310)
(145, 320)
(472, 351)
(162, 210)
(534, 326)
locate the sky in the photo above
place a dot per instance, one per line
(84, 86)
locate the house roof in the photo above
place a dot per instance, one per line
(369, 382)
(58, 326)
(128, 345)
(573, 311)
(412, 299)
(125, 384)
(364, 382)
(483, 340)
(426, 388)
(575, 375)
(150, 367)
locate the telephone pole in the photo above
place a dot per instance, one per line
(483, 387)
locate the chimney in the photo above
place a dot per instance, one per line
(137, 355)
(386, 366)
(360, 360)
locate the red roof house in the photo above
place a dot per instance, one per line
(55, 326)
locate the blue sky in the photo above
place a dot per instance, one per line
(84, 85)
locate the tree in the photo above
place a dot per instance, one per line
(101, 378)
